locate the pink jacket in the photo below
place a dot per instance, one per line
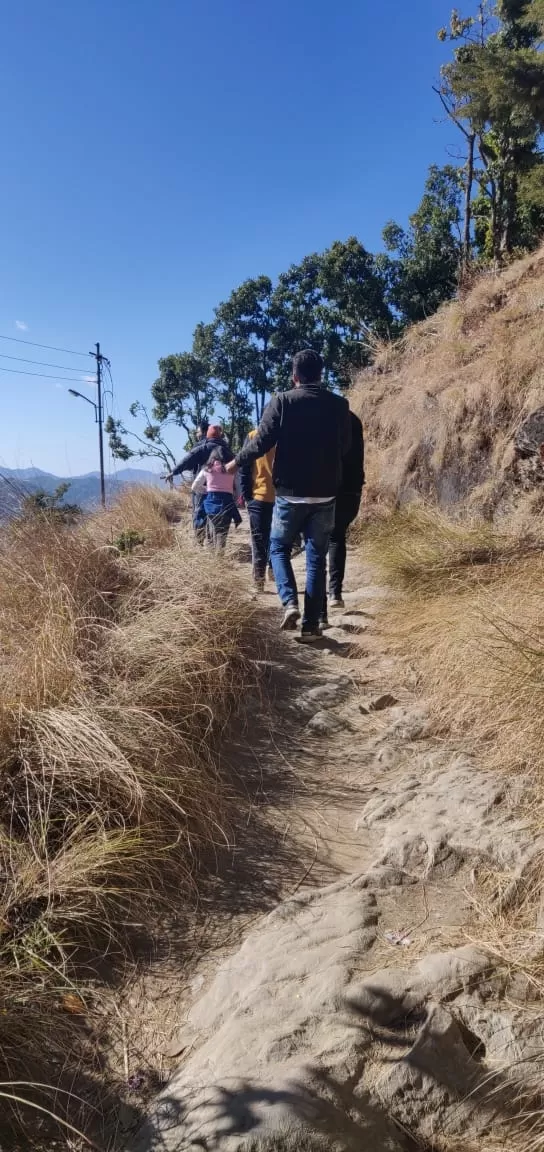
(214, 479)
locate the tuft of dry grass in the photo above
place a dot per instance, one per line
(421, 550)
(149, 511)
(120, 680)
(470, 613)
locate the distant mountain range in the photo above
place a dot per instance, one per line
(16, 483)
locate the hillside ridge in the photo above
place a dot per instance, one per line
(443, 407)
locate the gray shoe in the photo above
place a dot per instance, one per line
(310, 635)
(336, 602)
(291, 618)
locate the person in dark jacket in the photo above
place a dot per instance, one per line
(311, 431)
(194, 462)
(347, 506)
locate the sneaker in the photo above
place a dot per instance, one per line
(324, 623)
(291, 618)
(310, 635)
(258, 585)
(336, 602)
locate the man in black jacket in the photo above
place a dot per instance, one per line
(194, 461)
(311, 431)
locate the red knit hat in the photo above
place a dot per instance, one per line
(214, 432)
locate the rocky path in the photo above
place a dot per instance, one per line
(363, 1012)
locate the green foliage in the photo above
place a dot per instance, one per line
(149, 440)
(423, 262)
(331, 302)
(354, 307)
(183, 391)
(128, 540)
(494, 89)
(246, 323)
(50, 504)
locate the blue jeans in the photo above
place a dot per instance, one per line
(221, 510)
(316, 522)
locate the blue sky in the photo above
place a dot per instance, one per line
(158, 152)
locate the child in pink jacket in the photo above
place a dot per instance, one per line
(219, 505)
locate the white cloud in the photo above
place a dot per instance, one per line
(21, 325)
(60, 386)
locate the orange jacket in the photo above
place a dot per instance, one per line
(257, 481)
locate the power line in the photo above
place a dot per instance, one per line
(41, 363)
(50, 347)
(48, 376)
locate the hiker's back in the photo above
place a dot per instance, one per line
(217, 480)
(314, 437)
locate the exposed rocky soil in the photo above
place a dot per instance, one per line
(364, 1011)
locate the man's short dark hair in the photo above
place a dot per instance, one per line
(308, 366)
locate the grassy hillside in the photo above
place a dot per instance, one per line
(441, 408)
(121, 675)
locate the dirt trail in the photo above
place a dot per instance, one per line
(368, 803)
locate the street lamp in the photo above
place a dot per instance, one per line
(73, 392)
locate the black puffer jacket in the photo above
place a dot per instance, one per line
(199, 456)
(311, 430)
(353, 471)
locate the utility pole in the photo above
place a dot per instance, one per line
(98, 415)
(98, 358)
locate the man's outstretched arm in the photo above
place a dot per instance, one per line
(266, 437)
(190, 462)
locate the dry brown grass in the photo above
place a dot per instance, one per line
(119, 680)
(440, 408)
(471, 614)
(151, 512)
(421, 550)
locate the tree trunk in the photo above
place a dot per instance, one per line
(496, 212)
(510, 201)
(469, 180)
(232, 428)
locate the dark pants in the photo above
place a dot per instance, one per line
(347, 507)
(315, 521)
(199, 516)
(260, 524)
